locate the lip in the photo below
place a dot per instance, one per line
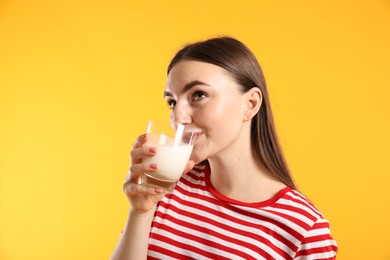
(197, 135)
(195, 132)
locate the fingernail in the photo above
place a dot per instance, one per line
(152, 150)
(159, 191)
(153, 166)
(162, 191)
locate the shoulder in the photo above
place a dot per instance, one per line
(301, 203)
(299, 213)
(316, 239)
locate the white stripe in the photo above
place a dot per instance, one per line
(305, 201)
(247, 218)
(317, 232)
(172, 248)
(304, 207)
(303, 204)
(229, 223)
(245, 209)
(193, 181)
(294, 214)
(318, 256)
(157, 254)
(319, 244)
(201, 235)
(287, 222)
(279, 219)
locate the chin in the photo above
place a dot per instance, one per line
(196, 157)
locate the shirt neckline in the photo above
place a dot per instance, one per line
(226, 199)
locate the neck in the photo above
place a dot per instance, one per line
(236, 174)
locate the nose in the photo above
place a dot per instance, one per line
(180, 115)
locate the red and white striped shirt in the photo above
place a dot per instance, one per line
(197, 222)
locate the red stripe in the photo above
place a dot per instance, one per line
(304, 201)
(291, 218)
(325, 239)
(190, 184)
(213, 244)
(165, 251)
(319, 238)
(319, 225)
(240, 214)
(198, 176)
(240, 219)
(213, 222)
(296, 210)
(236, 210)
(207, 242)
(318, 250)
(183, 246)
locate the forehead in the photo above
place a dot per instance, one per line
(187, 71)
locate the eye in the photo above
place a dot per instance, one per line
(171, 104)
(198, 95)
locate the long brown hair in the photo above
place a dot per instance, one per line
(242, 65)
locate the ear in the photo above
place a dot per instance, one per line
(253, 99)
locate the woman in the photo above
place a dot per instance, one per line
(237, 199)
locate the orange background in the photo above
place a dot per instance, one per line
(79, 80)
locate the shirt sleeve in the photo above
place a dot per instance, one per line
(318, 243)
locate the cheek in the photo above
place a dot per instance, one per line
(204, 116)
(228, 115)
(219, 122)
(219, 114)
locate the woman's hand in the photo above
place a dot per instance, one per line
(133, 243)
(142, 197)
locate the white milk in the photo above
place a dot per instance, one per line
(171, 161)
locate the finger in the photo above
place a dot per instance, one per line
(136, 155)
(129, 176)
(136, 170)
(140, 141)
(131, 189)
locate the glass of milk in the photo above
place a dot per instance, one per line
(174, 147)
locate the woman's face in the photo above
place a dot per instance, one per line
(204, 97)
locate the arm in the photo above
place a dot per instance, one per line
(133, 243)
(317, 243)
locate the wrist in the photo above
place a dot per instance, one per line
(140, 214)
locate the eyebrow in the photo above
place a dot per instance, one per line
(187, 87)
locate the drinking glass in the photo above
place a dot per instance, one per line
(174, 147)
